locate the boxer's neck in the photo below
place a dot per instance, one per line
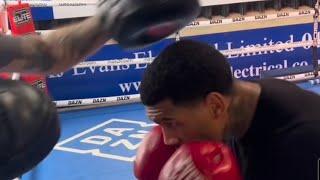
(243, 106)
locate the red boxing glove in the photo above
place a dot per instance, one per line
(201, 161)
(152, 155)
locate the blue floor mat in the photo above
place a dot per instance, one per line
(95, 144)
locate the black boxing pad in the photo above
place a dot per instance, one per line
(149, 21)
(29, 128)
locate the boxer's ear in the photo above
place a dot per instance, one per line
(217, 104)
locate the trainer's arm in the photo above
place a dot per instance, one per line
(54, 52)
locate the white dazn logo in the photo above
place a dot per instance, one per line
(114, 139)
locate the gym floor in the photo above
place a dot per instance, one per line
(100, 143)
(95, 144)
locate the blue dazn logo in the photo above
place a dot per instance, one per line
(116, 139)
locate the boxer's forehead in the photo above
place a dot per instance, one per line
(161, 110)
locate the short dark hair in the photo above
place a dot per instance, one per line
(186, 71)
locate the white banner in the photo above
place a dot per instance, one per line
(99, 100)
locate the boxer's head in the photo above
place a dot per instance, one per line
(187, 91)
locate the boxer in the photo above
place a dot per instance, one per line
(29, 126)
(190, 92)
